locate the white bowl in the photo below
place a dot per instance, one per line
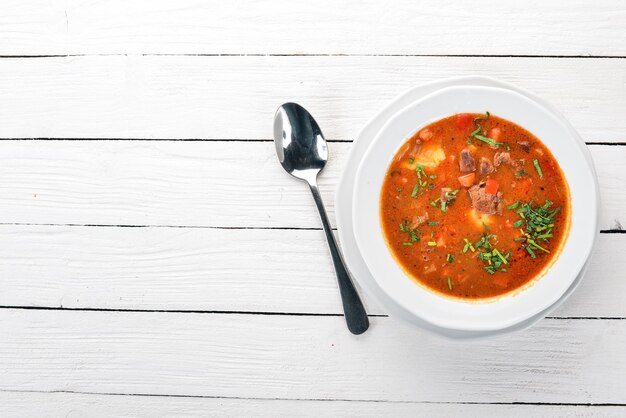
(344, 199)
(510, 309)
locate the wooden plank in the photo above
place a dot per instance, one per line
(218, 184)
(288, 27)
(218, 270)
(236, 97)
(260, 356)
(74, 405)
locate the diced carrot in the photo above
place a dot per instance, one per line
(495, 134)
(491, 186)
(501, 281)
(467, 180)
(463, 121)
(522, 187)
(425, 134)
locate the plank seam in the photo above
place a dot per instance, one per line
(261, 228)
(259, 313)
(246, 140)
(66, 391)
(556, 56)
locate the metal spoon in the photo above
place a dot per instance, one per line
(302, 151)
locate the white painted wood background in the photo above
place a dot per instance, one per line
(144, 221)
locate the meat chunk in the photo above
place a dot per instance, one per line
(466, 162)
(503, 158)
(485, 166)
(485, 202)
(525, 145)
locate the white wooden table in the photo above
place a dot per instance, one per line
(145, 220)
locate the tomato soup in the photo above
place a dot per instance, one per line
(474, 206)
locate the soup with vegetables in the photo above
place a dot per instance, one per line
(474, 206)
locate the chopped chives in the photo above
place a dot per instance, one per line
(517, 224)
(414, 192)
(488, 141)
(411, 160)
(407, 244)
(538, 168)
(514, 206)
(432, 176)
(432, 244)
(449, 258)
(495, 250)
(432, 223)
(449, 283)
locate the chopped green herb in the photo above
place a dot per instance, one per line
(402, 227)
(444, 205)
(538, 168)
(415, 190)
(485, 226)
(521, 173)
(411, 160)
(433, 176)
(489, 141)
(449, 283)
(538, 222)
(407, 244)
(419, 170)
(432, 244)
(514, 206)
(449, 258)
(468, 245)
(432, 223)
(496, 252)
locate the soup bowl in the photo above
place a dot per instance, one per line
(476, 314)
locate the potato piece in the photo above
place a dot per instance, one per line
(429, 155)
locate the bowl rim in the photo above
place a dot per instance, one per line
(483, 316)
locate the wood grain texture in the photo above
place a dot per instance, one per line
(331, 27)
(236, 97)
(76, 405)
(216, 184)
(557, 361)
(283, 271)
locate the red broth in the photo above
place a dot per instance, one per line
(474, 206)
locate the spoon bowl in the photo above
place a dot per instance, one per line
(300, 145)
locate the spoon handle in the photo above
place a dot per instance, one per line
(356, 317)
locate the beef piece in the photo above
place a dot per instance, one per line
(483, 201)
(485, 166)
(525, 145)
(466, 162)
(503, 158)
